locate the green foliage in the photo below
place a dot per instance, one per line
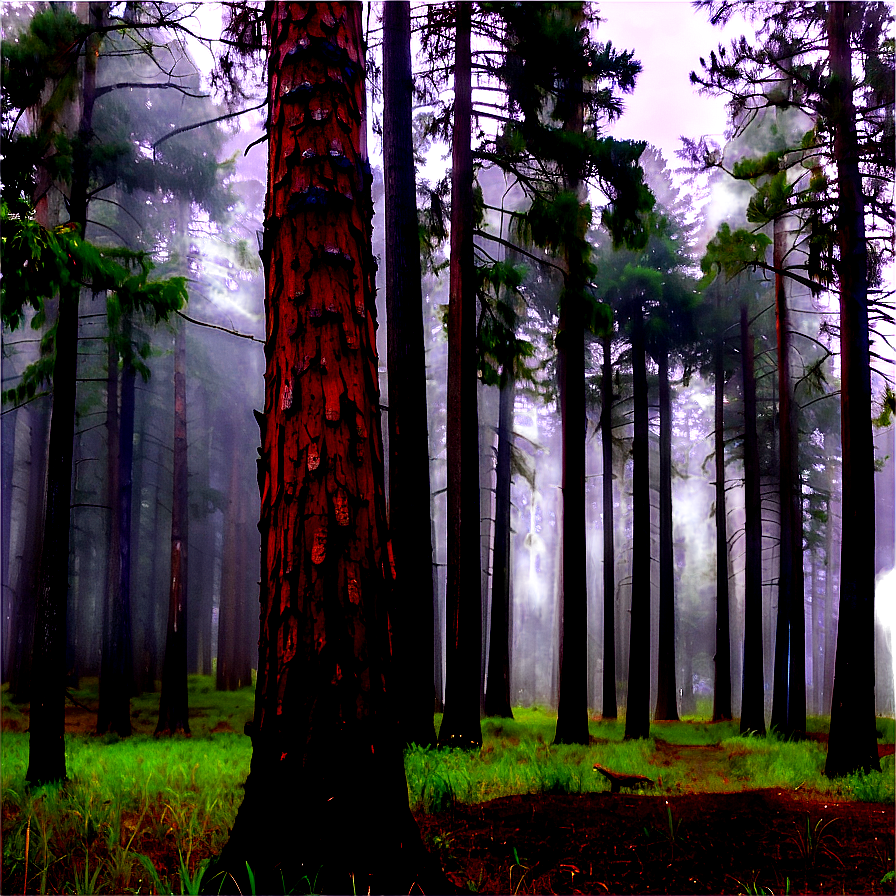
(887, 409)
(771, 199)
(732, 252)
(39, 264)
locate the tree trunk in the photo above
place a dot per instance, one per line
(46, 757)
(409, 507)
(606, 434)
(752, 709)
(173, 703)
(460, 723)
(666, 691)
(853, 742)
(572, 692)
(326, 745)
(116, 666)
(24, 604)
(497, 695)
(637, 714)
(789, 699)
(721, 697)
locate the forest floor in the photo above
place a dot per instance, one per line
(754, 842)
(688, 833)
(766, 841)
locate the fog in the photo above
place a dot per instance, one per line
(209, 232)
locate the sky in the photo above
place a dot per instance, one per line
(668, 39)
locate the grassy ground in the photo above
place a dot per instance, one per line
(141, 815)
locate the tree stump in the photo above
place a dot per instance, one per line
(619, 779)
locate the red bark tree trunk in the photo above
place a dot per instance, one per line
(326, 798)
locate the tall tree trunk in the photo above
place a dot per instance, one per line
(752, 709)
(409, 507)
(572, 699)
(46, 756)
(789, 699)
(116, 665)
(229, 622)
(637, 714)
(36, 417)
(326, 745)
(608, 696)
(460, 723)
(173, 702)
(853, 742)
(721, 698)
(829, 557)
(666, 691)
(497, 695)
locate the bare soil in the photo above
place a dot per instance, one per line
(761, 841)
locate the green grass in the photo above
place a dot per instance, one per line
(142, 815)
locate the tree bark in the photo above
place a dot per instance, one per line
(326, 747)
(666, 691)
(752, 711)
(460, 723)
(497, 694)
(637, 714)
(853, 742)
(46, 757)
(409, 485)
(606, 434)
(721, 697)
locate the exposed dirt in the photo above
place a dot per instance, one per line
(749, 842)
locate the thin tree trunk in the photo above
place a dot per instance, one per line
(409, 485)
(752, 709)
(787, 716)
(497, 695)
(24, 606)
(637, 714)
(116, 665)
(829, 555)
(229, 622)
(46, 757)
(853, 742)
(173, 702)
(721, 698)
(606, 434)
(572, 693)
(666, 691)
(460, 723)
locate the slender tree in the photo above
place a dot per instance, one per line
(721, 696)
(609, 710)
(752, 712)
(460, 723)
(853, 742)
(666, 692)
(409, 508)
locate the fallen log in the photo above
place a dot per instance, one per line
(620, 779)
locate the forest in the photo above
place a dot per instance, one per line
(418, 479)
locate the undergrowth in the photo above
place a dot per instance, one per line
(144, 815)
